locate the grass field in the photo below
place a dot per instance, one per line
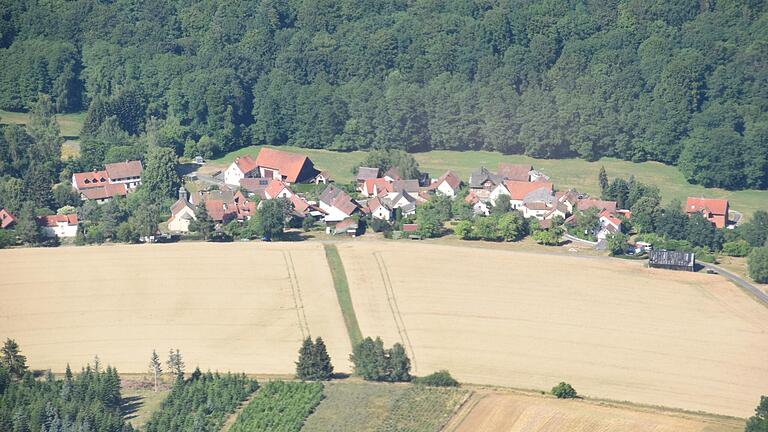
(370, 407)
(70, 125)
(227, 307)
(612, 328)
(566, 173)
(342, 293)
(512, 412)
(141, 403)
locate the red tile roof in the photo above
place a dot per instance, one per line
(346, 224)
(6, 219)
(55, 220)
(611, 218)
(289, 164)
(274, 188)
(600, 205)
(519, 189)
(516, 172)
(381, 185)
(714, 206)
(300, 205)
(471, 198)
(109, 190)
(246, 164)
(449, 177)
(90, 179)
(123, 170)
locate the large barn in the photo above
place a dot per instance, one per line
(672, 260)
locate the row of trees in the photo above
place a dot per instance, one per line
(87, 402)
(314, 362)
(676, 82)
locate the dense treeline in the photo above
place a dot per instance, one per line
(679, 82)
(279, 406)
(201, 403)
(86, 402)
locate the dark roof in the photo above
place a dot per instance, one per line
(671, 258)
(482, 175)
(405, 185)
(364, 173)
(518, 172)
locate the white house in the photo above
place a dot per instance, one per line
(447, 184)
(479, 207)
(336, 204)
(609, 224)
(182, 213)
(402, 200)
(59, 225)
(242, 167)
(379, 210)
(277, 189)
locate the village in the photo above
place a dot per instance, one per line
(379, 199)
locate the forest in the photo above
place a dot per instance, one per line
(683, 82)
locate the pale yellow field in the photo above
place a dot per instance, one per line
(511, 412)
(227, 307)
(611, 328)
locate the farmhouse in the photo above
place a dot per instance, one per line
(410, 186)
(378, 209)
(403, 200)
(600, 205)
(482, 179)
(392, 174)
(714, 210)
(609, 224)
(117, 179)
(182, 213)
(365, 173)
(59, 225)
(272, 164)
(519, 190)
(337, 204)
(277, 189)
(447, 184)
(479, 207)
(223, 205)
(375, 187)
(515, 172)
(671, 260)
(6, 219)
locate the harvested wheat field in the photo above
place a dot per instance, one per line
(227, 307)
(611, 328)
(512, 412)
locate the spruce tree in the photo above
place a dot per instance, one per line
(175, 363)
(305, 365)
(155, 368)
(602, 178)
(323, 369)
(14, 362)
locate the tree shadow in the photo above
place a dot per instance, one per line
(129, 406)
(293, 236)
(187, 168)
(340, 376)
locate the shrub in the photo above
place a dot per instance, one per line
(441, 378)
(564, 391)
(738, 248)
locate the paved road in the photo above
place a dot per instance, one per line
(755, 291)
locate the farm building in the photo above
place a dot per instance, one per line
(272, 164)
(59, 225)
(714, 210)
(672, 260)
(116, 179)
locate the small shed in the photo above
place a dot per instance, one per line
(672, 260)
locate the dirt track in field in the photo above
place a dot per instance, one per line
(511, 412)
(228, 307)
(611, 328)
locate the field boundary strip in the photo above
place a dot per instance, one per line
(293, 281)
(341, 286)
(394, 308)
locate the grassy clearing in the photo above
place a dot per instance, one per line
(369, 407)
(342, 293)
(70, 124)
(566, 173)
(139, 404)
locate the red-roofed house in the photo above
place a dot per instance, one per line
(600, 205)
(348, 226)
(378, 209)
(447, 184)
(59, 225)
(478, 206)
(376, 187)
(714, 210)
(337, 204)
(182, 213)
(277, 189)
(7, 220)
(242, 167)
(286, 166)
(609, 224)
(117, 179)
(517, 190)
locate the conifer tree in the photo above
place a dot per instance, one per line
(399, 365)
(175, 363)
(602, 178)
(155, 368)
(323, 369)
(305, 367)
(12, 359)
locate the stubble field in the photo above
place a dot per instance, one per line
(612, 329)
(227, 307)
